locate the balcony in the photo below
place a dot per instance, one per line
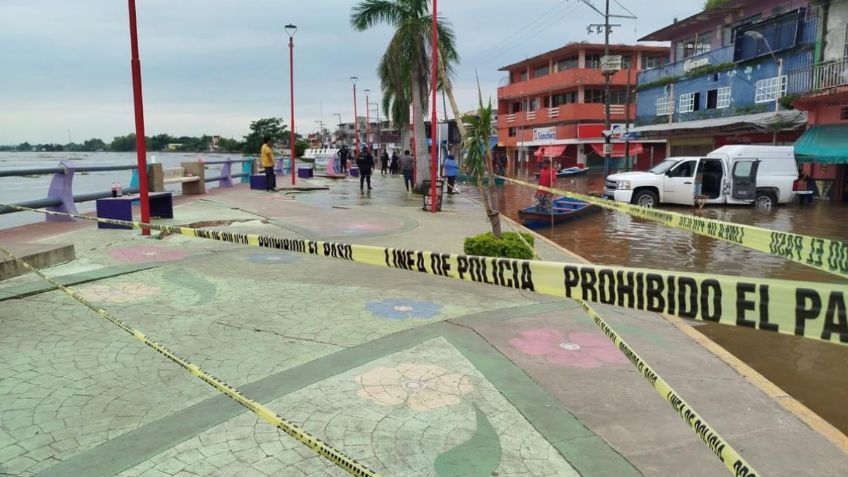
(818, 78)
(571, 78)
(682, 67)
(565, 112)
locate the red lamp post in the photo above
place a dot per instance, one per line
(434, 80)
(290, 31)
(139, 119)
(355, 121)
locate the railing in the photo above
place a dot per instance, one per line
(553, 112)
(510, 118)
(531, 115)
(830, 75)
(60, 196)
(680, 68)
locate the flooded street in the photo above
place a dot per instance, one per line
(813, 373)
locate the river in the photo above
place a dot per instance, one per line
(814, 373)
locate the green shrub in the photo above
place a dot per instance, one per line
(509, 245)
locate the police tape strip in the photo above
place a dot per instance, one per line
(335, 456)
(717, 444)
(813, 310)
(829, 255)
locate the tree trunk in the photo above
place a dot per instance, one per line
(491, 203)
(422, 164)
(448, 87)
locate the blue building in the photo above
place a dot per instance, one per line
(733, 71)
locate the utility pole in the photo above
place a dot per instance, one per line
(606, 28)
(627, 118)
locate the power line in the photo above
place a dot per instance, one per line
(542, 18)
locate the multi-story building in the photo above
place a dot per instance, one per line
(553, 105)
(824, 146)
(732, 74)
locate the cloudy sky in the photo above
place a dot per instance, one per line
(212, 66)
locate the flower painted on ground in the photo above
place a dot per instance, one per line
(401, 309)
(122, 293)
(270, 258)
(147, 253)
(576, 350)
(422, 387)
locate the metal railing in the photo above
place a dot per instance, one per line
(60, 196)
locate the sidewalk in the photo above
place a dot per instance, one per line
(408, 373)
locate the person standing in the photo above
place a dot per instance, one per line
(805, 187)
(343, 153)
(450, 170)
(267, 159)
(393, 168)
(406, 167)
(546, 179)
(384, 162)
(365, 162)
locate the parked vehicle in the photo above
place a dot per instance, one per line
(729, 175)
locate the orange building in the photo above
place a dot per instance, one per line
(553, 106)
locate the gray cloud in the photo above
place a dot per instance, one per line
(211, 66)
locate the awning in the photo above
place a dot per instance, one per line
(549, 151)
(826, 144)
(618, 149)
(784, 119)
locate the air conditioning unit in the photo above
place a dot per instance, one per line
(610, 63)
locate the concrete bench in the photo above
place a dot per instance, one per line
(192, 176)
(120, 208)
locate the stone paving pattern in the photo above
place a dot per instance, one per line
(71, 382)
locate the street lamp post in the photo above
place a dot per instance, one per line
(779, 87)
(367, 119)
(355, 119)
(290, 30)
(338, 115)
(135, 65)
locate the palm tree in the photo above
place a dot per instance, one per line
(403, 69)
(478, 157)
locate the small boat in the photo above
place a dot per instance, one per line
(563, 209)
(568, 171)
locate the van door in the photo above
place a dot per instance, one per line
(743, 179)
(679, 183)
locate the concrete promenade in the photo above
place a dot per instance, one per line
(408, 373)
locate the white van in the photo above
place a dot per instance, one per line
(728, 175)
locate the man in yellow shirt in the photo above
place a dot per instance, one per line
(267, 160)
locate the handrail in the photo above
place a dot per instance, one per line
(55, 201)
(60, 170)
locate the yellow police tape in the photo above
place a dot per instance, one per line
(717, 444)
(335, 456)
(829, 255)
(813, 310)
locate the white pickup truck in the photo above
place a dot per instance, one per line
(728, 175)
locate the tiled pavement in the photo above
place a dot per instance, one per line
(410, 374)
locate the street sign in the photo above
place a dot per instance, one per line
(610, 63)
(607, 149)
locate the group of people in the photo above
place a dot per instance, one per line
(365, 161)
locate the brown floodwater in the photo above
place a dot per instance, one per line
(814, 373)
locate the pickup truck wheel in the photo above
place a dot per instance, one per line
(765, 200)
(646, 198)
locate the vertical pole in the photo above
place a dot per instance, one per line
(291, 90)
(367, 121)
(777, 94)
(607, 145)
(355, 125)
(139, 120)
(414, 150)
(434, 82)
(627, 119)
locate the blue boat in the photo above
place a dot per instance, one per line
(563, 209)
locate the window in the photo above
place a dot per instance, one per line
(533, 104)
(593, 61)
(617, 96)
(845, 44)
(684, 169)
(523, 76)
(653, 61)
(844, 113)
(723, 99)
(779, 33)
(568, 63)
(516, 107)
(718, 98)
(693, 46)
(540, 71)
(767, 89)
(563, 98)
(690, 102)
(664, 105)
(511, 132)
(727, 35)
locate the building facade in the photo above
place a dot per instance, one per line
(552, 105)
(823, 149)
(733, 72)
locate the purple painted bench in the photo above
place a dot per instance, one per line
(120, 208)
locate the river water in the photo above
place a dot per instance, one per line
(814, 373)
